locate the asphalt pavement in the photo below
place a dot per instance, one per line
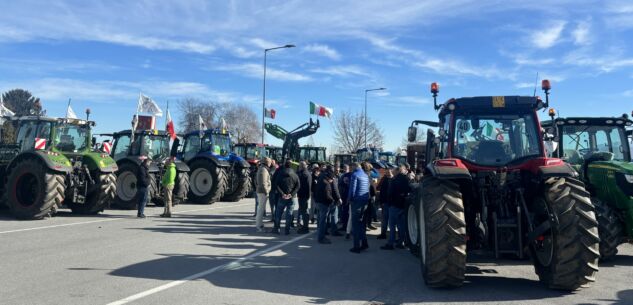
(211, 254)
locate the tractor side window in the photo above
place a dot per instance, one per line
(616, 142)
(121, 147)
(192, 147)
(44, 132)
(26, 135)
(602, 141)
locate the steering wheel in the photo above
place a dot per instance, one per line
(585, 151)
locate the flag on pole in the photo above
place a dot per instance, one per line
(4, 111)
(223, 125)
(169, 127)
(70, 114)
(319, 110)
(147, 105)
(270, 113)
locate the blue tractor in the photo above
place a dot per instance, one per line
(216, 172)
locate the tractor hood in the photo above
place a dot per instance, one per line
(615, 166)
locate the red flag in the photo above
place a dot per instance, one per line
(170, 126)
(270, 113)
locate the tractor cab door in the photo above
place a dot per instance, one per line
(191, 148)
(121, 147)
(432, 148)
(32, 133)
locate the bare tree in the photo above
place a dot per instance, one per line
(349, 132)
(191, 108)
(242, 121)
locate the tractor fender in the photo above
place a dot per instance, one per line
(449, 169)
(238, 161)
(562, 170)
(182, 167)
(216, 161)
(58, 163)
(100, 161)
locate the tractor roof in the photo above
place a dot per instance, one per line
(590, 121)
(251, 144)
(501, 104)
(52, 119)
(217, 131)
(138, 132)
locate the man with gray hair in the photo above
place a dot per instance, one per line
(263, 189)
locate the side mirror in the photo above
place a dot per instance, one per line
(94, 141)
(412, 133)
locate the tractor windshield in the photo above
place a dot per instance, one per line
(155, 147)
(495, 140)
(71, 138)
(255, 152)
(579, 142)
(388, 158)
(366, 154)
(219, 144)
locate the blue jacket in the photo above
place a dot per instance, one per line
(358, 186)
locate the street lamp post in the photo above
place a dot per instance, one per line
(368, 90)
(264, 94)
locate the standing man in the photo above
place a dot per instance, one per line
(398, 192)
(273, 198)
(324, 197)
(305, 190)
(316, 171)
(169, 180)
(263, 189)
(142, 185)
(345, 215)
(358, 197)
(383, 195)
(287, 187)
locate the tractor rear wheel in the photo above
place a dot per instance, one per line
(100, 195)
(610, 228)
(181, 188)
(442, 227)
(412, 218)
(566, 257)
(155, 193)
(207, 182)
(127, 191)
(239, 185)
(34, 191)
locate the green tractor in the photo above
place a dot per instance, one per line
(130, 152)
(598, 149)
(50, 162)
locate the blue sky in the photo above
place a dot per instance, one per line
(102, 53)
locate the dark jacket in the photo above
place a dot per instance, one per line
(399, 189)
(273, 180)
(343, 185)
(384, 190)
(335, 191)
(315, 180)
(287, 182)
(324, 192)
(143, 176)
(305, 181)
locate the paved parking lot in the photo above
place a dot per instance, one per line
(212, 255)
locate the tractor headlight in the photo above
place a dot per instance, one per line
(629, 178)
(101, 163)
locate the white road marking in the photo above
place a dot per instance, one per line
(198, 275)
(113, 219)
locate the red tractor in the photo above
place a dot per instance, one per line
(488, 188)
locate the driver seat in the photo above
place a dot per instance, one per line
(490, 152)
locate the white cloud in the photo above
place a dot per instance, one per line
(257, 71)
(549, 36)
(606, 62)
(628, 93)
(581, 33)
(524, 85)
(322, 50)
(342, 71)
(407, 101)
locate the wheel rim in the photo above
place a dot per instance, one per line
(201, 181)
(27, 189)
(412, 224)
(422, 233)
(544, 249)
(126, 188)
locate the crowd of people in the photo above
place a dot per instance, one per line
(342, 201)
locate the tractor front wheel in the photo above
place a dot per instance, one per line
(207, 182)
(127, 190)
(181, 188)
(412, 234)
(566, 256)
(239, 185)
(610, 228)
(33, 190)
(99, 196)
(442, 227)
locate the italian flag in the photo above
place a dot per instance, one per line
(319, 110)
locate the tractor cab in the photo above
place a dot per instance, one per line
(312, 154)
(250, 151)
(274, 152)
(388, 158)
(344, 159)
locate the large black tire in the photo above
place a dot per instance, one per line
(155, 194)
(127, 191)
(566, 257)
(610, 228)
(207, 182)
(181, 188)
(442, 225)
(33, 190)
(412, 219)
(100, 195)
(239, 185)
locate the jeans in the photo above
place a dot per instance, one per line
(144, 197)
(261, 210)
(325, 212)
(284, 205)
(396, 218)
(313, 207)
(359, 222)
(385, 218)
(303, 211)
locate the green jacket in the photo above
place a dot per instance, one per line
(170, 175)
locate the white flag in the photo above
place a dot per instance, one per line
(70, 114)
(147, 105)
(201, 124)
(4, 111)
